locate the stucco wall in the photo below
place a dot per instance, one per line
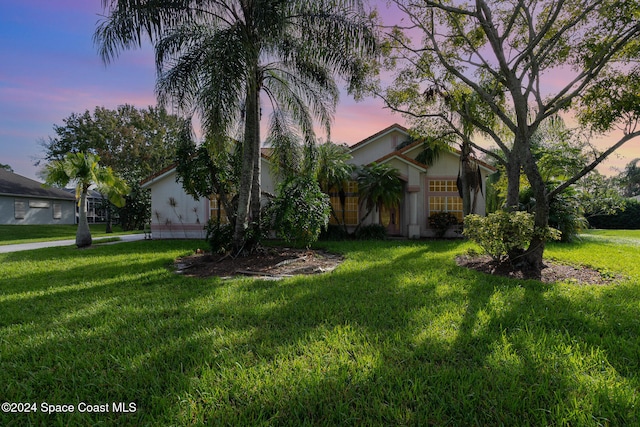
(174, 214)
(373, 150)
(36, 215)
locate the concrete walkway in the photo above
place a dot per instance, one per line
(39, 245)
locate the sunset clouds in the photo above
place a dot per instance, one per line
(50, 68)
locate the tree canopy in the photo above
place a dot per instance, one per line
(505, 67)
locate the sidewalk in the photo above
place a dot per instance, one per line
(56, 243)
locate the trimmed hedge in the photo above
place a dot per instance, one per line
(629, 219)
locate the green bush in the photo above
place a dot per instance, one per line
(219, 236)
(440, 222)
(504, 234)
(300, 210)
(372, 232)
(500, 233)
(627, 219)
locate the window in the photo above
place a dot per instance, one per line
(444, 197)
(350, 206)
(57, 210)
(216, 207)
(19, 207)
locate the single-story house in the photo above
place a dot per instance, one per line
(25, 201)
(94, 206)
(427, 190)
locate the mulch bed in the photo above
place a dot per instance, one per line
(552, 273)
(264, 262)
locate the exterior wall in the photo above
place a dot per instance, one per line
(175, 214)
(373, 150)
(36, 215)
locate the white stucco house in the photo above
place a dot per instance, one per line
(24, 201)
(427, 190)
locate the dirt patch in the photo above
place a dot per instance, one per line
(552, 273)
(265, 262)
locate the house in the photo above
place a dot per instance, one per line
(95, 206)
(177, 215)
(25, 201)
(427, 190)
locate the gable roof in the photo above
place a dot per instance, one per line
(379, 134)
(12, 184)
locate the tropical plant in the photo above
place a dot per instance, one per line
(333, 174)
(300, 210)
(84, 170)
(379, 185)
(215, 57)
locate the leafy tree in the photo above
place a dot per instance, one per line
(600, 195)
(216, 57)
(84, 170)
(502, 53)
(133, 142)
(379, 185)
(630, 178)
(6, 167)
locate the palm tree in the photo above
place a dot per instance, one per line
(215, 57)
(379, 185)
(333, 173)
(84, 170)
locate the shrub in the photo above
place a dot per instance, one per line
(627, 219)
(219, 236)
(440, 222)
(372, 232)
(500, 233)
(300, 210)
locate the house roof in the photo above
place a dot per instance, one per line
(12, 184)
(377, 135)
(455, 151)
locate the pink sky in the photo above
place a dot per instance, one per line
(50, 69)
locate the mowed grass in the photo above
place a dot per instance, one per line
(397, 335)
(14, 234)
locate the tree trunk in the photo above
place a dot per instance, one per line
(246, 175)
(256, 186)
(534, 253)
(83, 234)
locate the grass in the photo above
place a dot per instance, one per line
(15, 234)
(397, 335)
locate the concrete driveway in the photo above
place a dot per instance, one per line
(56, 243)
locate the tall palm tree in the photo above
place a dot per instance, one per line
(84, 170)
(379, 185)
(215, 57)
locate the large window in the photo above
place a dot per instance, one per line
(350, 205)
(443, 197)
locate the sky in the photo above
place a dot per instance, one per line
(50, 68)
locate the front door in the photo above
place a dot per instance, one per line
(390, 218)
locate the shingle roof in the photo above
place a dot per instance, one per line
(12, 184)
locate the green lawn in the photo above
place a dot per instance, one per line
(13, 234)
(397, 335)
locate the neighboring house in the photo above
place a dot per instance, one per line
(25, 201)
(427, 190)
(95, 206)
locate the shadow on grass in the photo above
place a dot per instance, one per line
(397, 335)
